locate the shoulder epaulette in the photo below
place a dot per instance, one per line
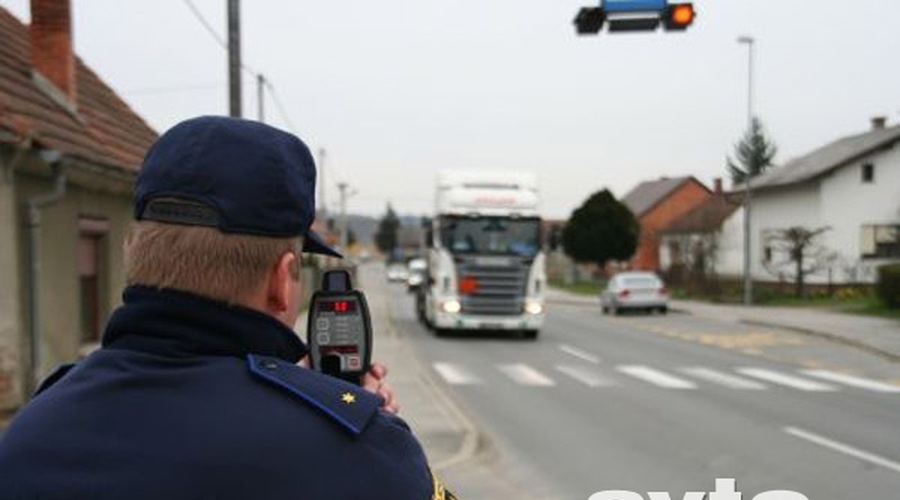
(349, 405)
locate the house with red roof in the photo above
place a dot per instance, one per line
(70, 149)
(656, 204)
(692, 246)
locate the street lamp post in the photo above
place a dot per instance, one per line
(748, 278)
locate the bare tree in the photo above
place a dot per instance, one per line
(795, 253)
(694, 257)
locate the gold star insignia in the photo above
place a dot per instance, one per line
(348, 397)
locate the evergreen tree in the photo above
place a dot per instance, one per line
(386, 236)
(754, 153)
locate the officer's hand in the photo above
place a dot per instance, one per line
(373, 381)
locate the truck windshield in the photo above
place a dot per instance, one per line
(491, 235)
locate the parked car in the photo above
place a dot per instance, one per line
(635, 291)
(396, 271)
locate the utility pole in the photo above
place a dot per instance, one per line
(234, 58)
(748, 278)
(260, 97)
(343, 186)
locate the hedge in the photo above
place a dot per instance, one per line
(889, 285)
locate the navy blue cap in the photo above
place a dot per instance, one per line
(237, 175)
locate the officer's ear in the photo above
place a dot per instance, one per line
(281, 279)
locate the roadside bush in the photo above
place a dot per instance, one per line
(849, 293)
(889, 285)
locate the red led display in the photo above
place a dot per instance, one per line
(338, 306)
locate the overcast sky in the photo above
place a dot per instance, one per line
(396, 90)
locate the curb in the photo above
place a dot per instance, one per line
(889, 356)
(471, 437)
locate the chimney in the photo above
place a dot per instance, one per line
(51, 45)
(717, 185)
(879, 122)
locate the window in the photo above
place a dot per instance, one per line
(880, 241)
(769, 238)
(91, 258)
(868, 173)
(491, 235)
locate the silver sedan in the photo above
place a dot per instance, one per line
(635, 291)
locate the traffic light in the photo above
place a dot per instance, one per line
(589, 20)
(679, 16)
(634, 15)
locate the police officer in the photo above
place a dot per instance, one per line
(196, 392)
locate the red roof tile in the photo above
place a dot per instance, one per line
(648, 194)
(707, 216)
(105, 130)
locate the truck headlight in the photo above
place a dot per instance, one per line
(532, 307)
(451, 306)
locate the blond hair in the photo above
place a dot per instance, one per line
(203, 260)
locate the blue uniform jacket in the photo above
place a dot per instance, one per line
(194, 399)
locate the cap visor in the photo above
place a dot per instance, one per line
(312, 243)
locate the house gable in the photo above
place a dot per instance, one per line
(825, 160)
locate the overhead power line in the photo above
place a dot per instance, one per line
(282, 111)
(279, 106)
(219, 39)
(173, 88)
(216, 36)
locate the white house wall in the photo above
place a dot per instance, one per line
(852, 203)
(731, 245)
(840, 201)
(781, 209)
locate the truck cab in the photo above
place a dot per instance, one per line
(486, 266)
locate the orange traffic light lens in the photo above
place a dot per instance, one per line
(683, 14)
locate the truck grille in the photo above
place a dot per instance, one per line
(501, 284)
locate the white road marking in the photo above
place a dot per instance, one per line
(526, 375)
(787, 380)
(579, 353)
(863, 383)
(721, 378)
(584, 375)
(656, 377)
(455, 375)
(843, 448)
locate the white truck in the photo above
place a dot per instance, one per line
(486, 267)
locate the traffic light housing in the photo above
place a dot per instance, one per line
(634, 15)
(679, 16)
(589, 20)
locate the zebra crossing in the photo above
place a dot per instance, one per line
(687, 378)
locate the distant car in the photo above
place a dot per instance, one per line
(635, 291)
(416, 269)
(396, 271)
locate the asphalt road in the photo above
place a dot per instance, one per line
(666, 403)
